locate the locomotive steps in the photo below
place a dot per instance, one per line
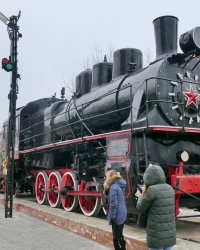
(97, 228)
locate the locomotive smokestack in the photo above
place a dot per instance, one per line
(166, 29)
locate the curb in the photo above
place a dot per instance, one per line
(96, 234)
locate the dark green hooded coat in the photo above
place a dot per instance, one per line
(159, 202)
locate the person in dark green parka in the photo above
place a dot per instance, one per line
(158, 199)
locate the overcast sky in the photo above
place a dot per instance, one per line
(57, 36)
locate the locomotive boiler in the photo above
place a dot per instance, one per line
(122, 116)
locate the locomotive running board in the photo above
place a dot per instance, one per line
(105, 135)
(78, 140)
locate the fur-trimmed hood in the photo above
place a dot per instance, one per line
(114, 179)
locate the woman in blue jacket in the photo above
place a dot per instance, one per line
(114, 190)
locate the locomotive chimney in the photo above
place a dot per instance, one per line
(166, 29)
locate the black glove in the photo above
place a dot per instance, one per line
(113, 221)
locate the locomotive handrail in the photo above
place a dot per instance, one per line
(83, 120)
(73, 123)
(67, 120)
(83, 123)
(104, 95)
(107, 94)
(167, 79)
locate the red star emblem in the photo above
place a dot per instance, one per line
(192, 97)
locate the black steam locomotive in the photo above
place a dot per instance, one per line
(123, 117)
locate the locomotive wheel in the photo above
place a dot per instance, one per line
(41, 182)
(89, 205)
(54, 185)
(69, 181)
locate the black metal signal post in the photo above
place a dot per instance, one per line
(14, 35)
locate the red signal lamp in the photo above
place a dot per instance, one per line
(6, 65)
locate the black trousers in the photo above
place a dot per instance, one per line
(117, 231)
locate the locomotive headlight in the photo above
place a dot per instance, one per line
(182, 156)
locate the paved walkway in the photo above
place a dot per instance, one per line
(23, 232)
(96, 229)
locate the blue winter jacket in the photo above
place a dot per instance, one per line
(116, 201)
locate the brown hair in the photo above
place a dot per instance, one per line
(113, 172)
(110, 173)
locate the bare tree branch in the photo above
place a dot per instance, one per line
(70, 85)
(110, 52)
(148, 55)
(86, 64)
(97, 56)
